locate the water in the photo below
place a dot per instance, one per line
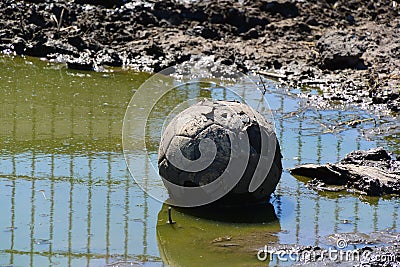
(67, 198)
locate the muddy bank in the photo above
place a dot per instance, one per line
(348, 49)
(372, 173)
(345, 249)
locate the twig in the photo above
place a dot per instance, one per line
(170, 221)
(262, 82)
(328, 129)
(272, 75)
(58, 21)
(43, 193)
(354, 123)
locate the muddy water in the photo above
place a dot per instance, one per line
(67, 199)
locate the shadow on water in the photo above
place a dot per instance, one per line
(260, 213)
(67, 198)
(191, 241)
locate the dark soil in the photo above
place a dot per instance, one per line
(350, 49)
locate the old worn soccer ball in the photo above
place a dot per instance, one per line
(233, 131)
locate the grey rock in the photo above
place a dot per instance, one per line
(340, 50)
(371, 172)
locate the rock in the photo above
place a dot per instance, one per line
(221, 121)
(194, 14)
(340, 50)
(78, 42)
(18, 45)
(312, 21)
(154, 50)
(371, 172)
(286, 9)
(394, 106)
(146, 18)
(169, 11)
(83, 62)
(251, 34)
(36, 18)
(205, 32)
(350, 19)
(105, 3)
(42, 47)
(109, 57)
(373, 157)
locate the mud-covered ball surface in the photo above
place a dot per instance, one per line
(221, 121)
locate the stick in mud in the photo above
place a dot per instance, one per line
(170, 221)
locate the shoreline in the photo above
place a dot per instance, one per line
(348, 50)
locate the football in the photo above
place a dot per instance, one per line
(214, 139)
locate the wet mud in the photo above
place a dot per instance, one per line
(373, 173)
(349, 50)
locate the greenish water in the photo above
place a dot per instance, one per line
(67, 199)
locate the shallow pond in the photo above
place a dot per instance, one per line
(67, 198)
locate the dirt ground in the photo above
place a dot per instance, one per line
(350, 49)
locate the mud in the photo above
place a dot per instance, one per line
(348, 49)
(372, 173)
(373, 249)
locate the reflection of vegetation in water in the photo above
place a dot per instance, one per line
(166, 108)
(394, 141)
(64, 183)
(51, 109)
(192, 241)
(66, 196)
